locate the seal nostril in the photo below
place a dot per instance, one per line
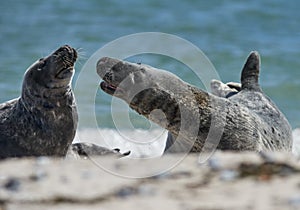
(67, 47)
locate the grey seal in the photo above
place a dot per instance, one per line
(85, 149)
(252, 120)
(43, 120)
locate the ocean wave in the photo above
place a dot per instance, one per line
(296, 142)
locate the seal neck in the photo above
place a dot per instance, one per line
(46, 99)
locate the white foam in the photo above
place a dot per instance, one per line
(296, 142)
(141, 143)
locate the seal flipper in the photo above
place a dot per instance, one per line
(250, 73)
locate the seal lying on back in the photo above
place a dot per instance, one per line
(43, 120)
(248, 119)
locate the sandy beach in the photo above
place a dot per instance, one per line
(227, 181)
(225, 31)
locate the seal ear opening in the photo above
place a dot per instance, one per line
(250, 72)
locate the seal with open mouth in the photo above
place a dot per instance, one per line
(250, 120)
(43, 120)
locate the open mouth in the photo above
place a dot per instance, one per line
(110, 88)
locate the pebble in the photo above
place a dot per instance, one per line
(12, 184)
(38, 175)
(126, 191)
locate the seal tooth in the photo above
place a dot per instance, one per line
(250, 72)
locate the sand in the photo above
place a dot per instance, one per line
(227, 181)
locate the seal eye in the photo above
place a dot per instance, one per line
(42, 64)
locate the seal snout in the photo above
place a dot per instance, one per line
(105, 65)
(67, 53)
(66, 57)
(105, 69)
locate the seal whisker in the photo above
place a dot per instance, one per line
(79, 61)
(80, 50)
(81, 53)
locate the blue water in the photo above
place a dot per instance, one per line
(226, 31)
